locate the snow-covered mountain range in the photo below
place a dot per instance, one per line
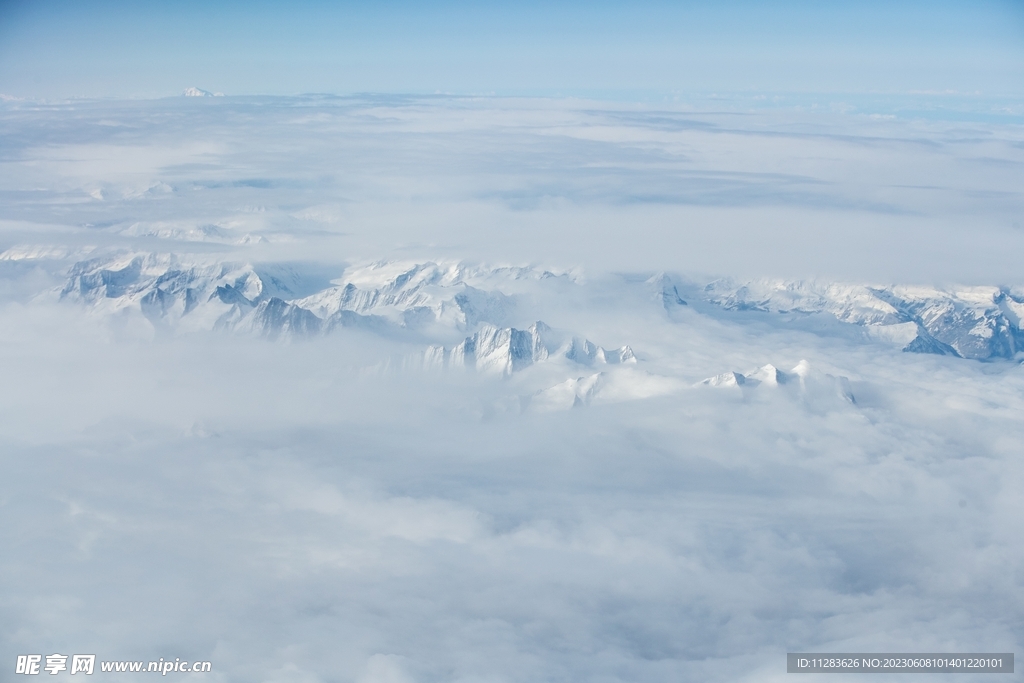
(436, 300)
(970, 322)
(473, 316)
(275, 299)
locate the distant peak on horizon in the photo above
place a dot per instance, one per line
(199, 92)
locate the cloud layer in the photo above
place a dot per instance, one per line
(320, 508)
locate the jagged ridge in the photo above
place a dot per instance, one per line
(809, 382)
(503, 351)
(970, 322)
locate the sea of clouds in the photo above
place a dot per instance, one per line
(316, 509)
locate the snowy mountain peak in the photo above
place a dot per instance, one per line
(198, 92)
(769, 375)
(572, 393)
(726, 379)
(809, 383)
(584, 352)
(503, 351)
(666, 291)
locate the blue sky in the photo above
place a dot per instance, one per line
(604, 49)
